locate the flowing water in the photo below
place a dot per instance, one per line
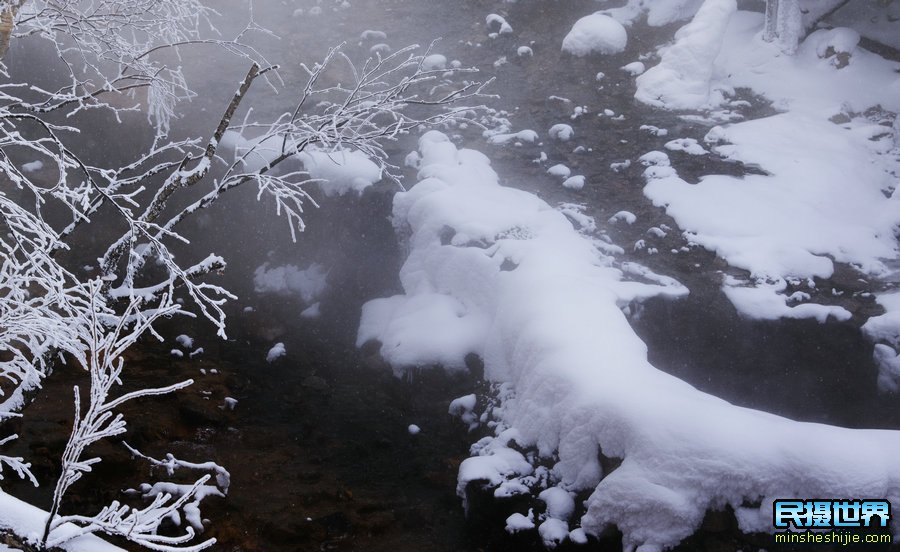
(317, 445)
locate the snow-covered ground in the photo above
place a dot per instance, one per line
(497, 272)
(533, 287)
(28, 522)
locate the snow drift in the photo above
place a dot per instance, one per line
(497, 272)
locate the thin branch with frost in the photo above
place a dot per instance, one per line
(138, 525)
(172, 464)
(108, 342)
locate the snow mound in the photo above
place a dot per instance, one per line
(659, 12)
(560, 170)
(277, 351)
(595, 34)
(28, 521)
(574, 182)
(561, 132)
(308, 283)
(340, 172)
(682, 78)
(634, 68)
(574, 377)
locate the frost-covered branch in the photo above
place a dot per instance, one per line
(110, 337)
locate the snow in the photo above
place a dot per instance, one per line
(560, 502)
(560, 170)
(33, 166)
(682, 78)
(28, 521)
(277, 351)
(553, 532)
(373, 35)
(562, 132)
(523, 51)
(335, 172)
(309, 283)
(823, 197)
(839, 40)
(765, 301)
(312, 311)
(341, 172)
(518, 522)
(434, 62)
(659, 12)
(884, 331)
(627, 216)
(634, 68)
(574, 379)
(874, 20)
(494, 21)
(574, 182)
(687, 145)
(595, 34)
(463, 408)
(185, 341)
(523, 135)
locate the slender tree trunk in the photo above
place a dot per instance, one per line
(771, 31)
(7, 23)
(784, 24)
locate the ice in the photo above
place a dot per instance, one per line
(277, 351)
(595, 34)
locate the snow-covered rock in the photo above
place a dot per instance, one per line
(595, 34)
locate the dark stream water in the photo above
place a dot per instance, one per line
(317, 445)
